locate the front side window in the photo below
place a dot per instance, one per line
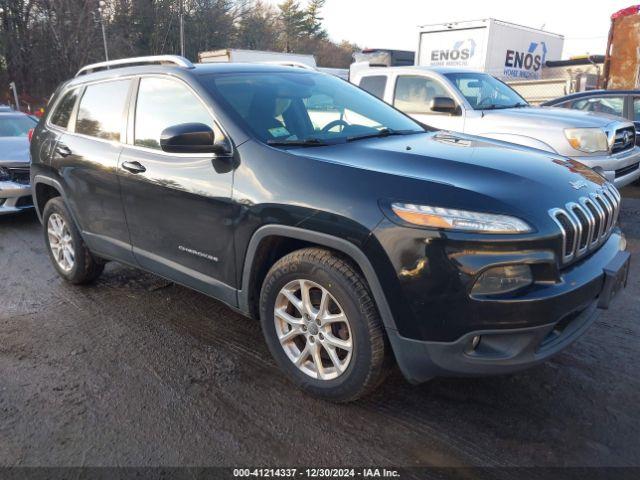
(303, 107)
(164, 103)
(17, 125)
(611, 105)
(62, 114)
(374, 84)
(101, 110)
(636, 109)
(415, 93)
(484, 92)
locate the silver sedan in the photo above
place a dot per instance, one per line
(15, 190)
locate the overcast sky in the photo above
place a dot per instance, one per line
(393, 23)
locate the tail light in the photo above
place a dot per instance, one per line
(30, 134)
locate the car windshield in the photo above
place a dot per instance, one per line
(15, 125)
(306, 109)
(485, 92)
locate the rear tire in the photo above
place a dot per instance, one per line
(68, 253)
(315, 303)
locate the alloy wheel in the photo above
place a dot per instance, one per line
(61, 242)
(313, 329)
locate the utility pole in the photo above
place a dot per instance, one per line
(12, 86)
(101, 5)
(181, 29)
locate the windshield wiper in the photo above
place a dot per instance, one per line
(502, 107)
(307, 142)
(385, 132)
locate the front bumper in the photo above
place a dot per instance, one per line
(499, 351)
(621, 169)
(554, 316)
(14, 197)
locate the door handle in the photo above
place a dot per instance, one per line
(63, 150)
(134, 167)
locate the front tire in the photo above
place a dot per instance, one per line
(322, 326)
(70, 256)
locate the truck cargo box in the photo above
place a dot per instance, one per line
(505, 50)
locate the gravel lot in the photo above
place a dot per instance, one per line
(137, 371)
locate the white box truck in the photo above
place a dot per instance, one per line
(505, 50)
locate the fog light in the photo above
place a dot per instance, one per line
(500, 280)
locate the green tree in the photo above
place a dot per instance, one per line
(293, 19)
(312, 25)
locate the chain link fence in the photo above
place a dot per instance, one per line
(556, 83)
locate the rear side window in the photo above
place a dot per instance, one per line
(62, 113)
(102, 109)
(608, 104)
(414, 94)
(164, 103)
(636, 109)
(375, 85)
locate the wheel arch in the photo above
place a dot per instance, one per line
(43, 190)
(305, 238)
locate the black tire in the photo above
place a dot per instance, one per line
(370, 358)
(87, 267)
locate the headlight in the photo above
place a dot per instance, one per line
(499, 280)
(4, 174)
(588, 140)
(450, 219)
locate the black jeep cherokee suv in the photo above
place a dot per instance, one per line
(355, 235)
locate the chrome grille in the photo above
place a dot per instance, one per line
(624, 139)
(587, 223)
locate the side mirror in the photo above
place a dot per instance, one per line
(444, 105)
(189, 138)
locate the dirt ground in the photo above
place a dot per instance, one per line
(137, 371)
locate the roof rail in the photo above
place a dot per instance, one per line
(127, 62)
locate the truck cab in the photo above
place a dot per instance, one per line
(477, 103)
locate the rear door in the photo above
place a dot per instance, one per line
(86, 158)
(178, 206)
(374, 84)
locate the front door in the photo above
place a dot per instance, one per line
(178, 206)
(413, 95)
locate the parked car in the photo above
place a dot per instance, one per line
(479, 104)
(621, 103)
(15, 190)
(356, 242)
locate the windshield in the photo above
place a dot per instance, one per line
(306, 109)
(15, 125)
(485, 92)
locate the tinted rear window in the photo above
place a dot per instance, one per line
(101, 110)
(62, 114)
(374, 85)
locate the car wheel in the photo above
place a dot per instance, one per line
(322, 325)
(68, 252)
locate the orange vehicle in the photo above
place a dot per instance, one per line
(622, 61)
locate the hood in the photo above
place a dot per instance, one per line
(553, 116)
(542, 127)
(467, 172)
(14, 150)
